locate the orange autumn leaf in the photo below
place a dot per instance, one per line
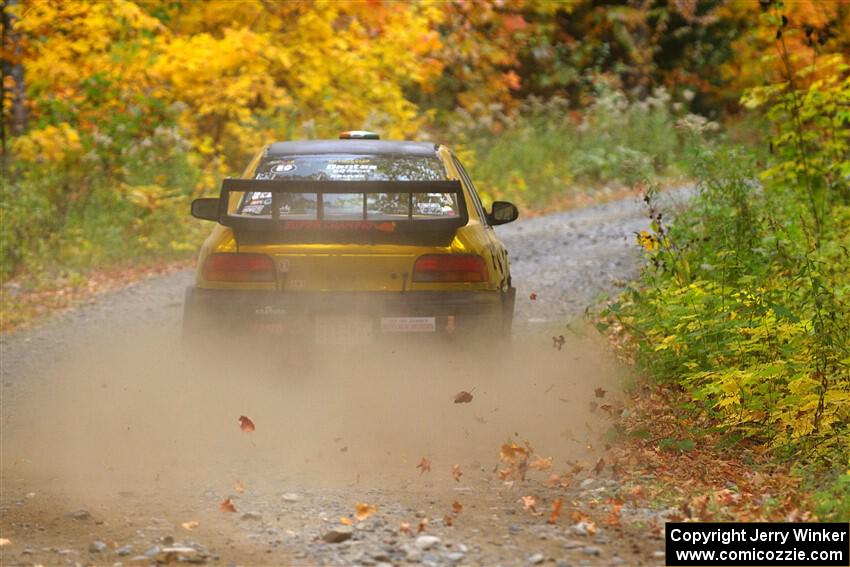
(456, 473)
(227, 506)
(532, 296)
(600, 392)
(510, 452)
(423, 524)
(246, 425)
(424, 465)
(556, 511)
(613, 518)
(529, 502)
(190, 525)
(404, 528)
(541, 464)
(345, 520)
(448, 521)
(577, 516)
(457, 507)
(238, 486)
(363, 511)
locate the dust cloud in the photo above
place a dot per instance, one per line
(136, 413)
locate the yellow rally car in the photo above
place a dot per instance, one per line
(345, 241)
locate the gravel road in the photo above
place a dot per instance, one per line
(112, 439)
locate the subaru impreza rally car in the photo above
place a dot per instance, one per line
(350, 240)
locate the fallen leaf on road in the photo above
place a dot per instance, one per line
(558, 342)
(556, 510)
(613, 518)
(227, 506)
(463, 397)
(4, 541)
(541, 464)
(532, 296)
(190, 525)
(424, 465)
(246, 425)
(600, 393)
(345, 520)
(423, 523)
(239, 487)
(529, 502)
(457, 507)
(363, 511)
(456, 473)
(404, 528)
(448, 521)
(636, 492)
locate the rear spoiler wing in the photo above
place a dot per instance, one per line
(275, 227)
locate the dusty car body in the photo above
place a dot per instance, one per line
(349, 240)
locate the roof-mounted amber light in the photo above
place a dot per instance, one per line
(359, 135)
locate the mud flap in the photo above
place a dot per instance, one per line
(508, 302)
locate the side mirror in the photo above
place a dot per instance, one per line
(205, 209)
(502, 212)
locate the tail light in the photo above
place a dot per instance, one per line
(450, 268)
(223, 267)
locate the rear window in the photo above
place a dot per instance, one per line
(351, 206)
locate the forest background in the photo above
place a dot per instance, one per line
(116, 114)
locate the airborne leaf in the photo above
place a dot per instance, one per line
(245, 424)
(456, 473)
(363, 511)
(463, 397)
(424, 465)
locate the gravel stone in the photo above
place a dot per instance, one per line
(97, 546)
(591, 550)
(427, 541)
(338, 534)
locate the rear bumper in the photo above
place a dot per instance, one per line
(308, 314)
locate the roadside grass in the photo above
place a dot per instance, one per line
(548, 156)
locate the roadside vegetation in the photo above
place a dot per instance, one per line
(744, 304)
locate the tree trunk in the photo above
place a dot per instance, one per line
(12, 77)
